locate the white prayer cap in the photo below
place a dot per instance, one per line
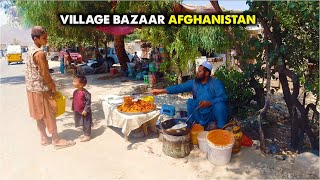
(207, 65)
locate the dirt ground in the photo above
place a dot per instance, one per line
(109, 156)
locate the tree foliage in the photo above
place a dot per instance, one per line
(181, 42)
(291, 32)
(295, 29)
(238, 88)
(300, 21)
(46, 13)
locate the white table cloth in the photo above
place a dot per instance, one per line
(126, 122)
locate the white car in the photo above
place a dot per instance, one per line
(53, 56)
(112, 54)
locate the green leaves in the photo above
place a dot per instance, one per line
(183, 42)
(45, 13)
(291, 5)
(237, 86)
(295, 26)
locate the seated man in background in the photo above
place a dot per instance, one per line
(99, 59)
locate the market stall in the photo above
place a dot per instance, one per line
(140, 112)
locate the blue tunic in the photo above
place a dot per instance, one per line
(214, 92)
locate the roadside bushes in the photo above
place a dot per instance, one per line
(237, 87)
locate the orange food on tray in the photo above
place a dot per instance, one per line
(129, 106)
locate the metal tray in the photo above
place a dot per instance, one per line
(115, 101)
(136, 113)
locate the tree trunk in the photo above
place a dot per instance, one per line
(264, 110)
(304, 98)
(81, 51)
(314, 108)
(96, 42)
(299, 121)
(105, 43)
(287, 98)
(216, 6)
(179, 76)
(121, 52)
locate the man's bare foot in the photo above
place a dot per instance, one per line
(62, 143)
(85, 138)
(45, 142)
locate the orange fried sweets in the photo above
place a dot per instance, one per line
(132, 107)
(220, 137)
(127, 101)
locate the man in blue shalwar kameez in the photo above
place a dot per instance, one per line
(208, 93)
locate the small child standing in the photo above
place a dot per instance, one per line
(81, 105)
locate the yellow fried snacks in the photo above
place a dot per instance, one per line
(149, 99)
(133, 107)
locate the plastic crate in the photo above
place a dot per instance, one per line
(168, 110)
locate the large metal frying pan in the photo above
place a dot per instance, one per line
(166, 127)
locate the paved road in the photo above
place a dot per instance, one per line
(17, 149)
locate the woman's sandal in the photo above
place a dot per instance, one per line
(65, 145)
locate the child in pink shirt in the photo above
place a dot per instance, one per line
(81, 105)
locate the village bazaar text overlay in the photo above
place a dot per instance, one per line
(138, 19)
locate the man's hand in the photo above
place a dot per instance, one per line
(52, 93)
(204, 104)
(84, 113)
(54, 90)
(158, 91)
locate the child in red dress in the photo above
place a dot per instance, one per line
(81, 105)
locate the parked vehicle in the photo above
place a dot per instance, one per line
(75, 56)
(53, 56)
(14, 54)
(112, 56)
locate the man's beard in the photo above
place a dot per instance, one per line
(200, 79)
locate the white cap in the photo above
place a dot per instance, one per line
(207, 65)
